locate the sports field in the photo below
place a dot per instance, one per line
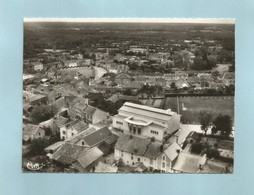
(190, 107)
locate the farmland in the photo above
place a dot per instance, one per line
(190, 107)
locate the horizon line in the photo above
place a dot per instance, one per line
(135, 20)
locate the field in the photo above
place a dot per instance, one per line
(190, 107)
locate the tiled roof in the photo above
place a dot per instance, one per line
(132, 144)
(172, 151)
(68, 153)
(89, 156)
(81, 135)
(97, 136)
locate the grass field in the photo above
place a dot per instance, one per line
(190, 107)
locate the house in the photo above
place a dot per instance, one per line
(57, 123)
(145, 121)
(154, 155)
(88, 160)
(80, 109)
(91, 137)
(31, 132)
(72, 128)
(123, 79)
(79, 158)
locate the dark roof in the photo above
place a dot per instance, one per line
(97, 136)
(153, 150)
(132, 144)
(112, 139)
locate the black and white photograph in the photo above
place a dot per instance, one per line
(128, 95)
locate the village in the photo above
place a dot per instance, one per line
(130, 107)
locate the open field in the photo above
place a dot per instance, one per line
(190, 107)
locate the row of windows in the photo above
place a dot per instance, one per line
(154, 132)
(135, 129)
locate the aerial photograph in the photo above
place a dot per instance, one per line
(128, 96)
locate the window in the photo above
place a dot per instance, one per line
(119, 123)
(82, 143)
(139, 130)
(138, 159)
(163, 157)
(131, 156)
(163, 165)
(154, 132)
(134, 130)
(39, 134)
(64, 132)
(122, 154)
(72, 134)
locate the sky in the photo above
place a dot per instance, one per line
(136, 20)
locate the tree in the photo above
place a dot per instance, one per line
(223, 124)
(197, 147)
(205, 119)
(38, 145)
(213, 153)
(42, 113)
(127, 92)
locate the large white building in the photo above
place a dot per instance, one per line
(144, 121)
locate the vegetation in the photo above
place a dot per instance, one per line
(42, 113)
(205, 119)
(223, 124)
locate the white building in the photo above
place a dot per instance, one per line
(146, 122)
